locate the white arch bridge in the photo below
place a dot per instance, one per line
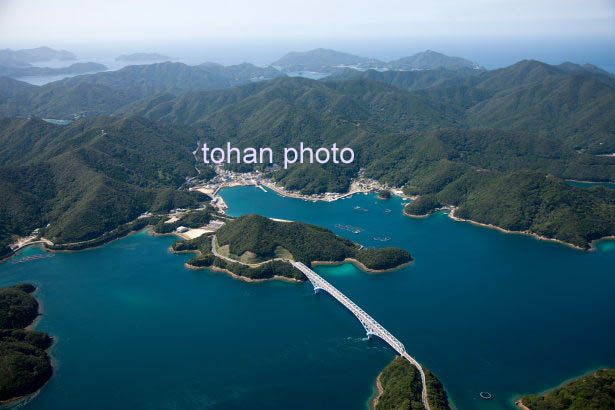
(371, 326)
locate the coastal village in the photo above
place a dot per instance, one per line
(227, 179)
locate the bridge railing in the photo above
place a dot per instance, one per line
(370, 324)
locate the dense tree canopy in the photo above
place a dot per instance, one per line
(24, 364)
(596, 391)
(402, 388)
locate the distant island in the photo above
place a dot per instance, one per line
(595, 391)
(77, 68)
(328, 61)
(143, 57)
(24, 57)
(255, 247)
(432, 60)
(25, 365)
(399, 387)
(323, 60)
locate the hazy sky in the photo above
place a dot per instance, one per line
(26, 23)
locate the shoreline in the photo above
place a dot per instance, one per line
(590, 182)
(361, 266)
(451, 215)
(45, 242)
(522, 406)
(97, 246)
(374, 401)
(215, 268)
(223, 270)
(39, 314)
(354, 189)
(535, 235)
(427, 215)
(283, 192)
(353, 261)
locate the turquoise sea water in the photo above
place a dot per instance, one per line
(57, 122)
(486, 311)
(581, 184)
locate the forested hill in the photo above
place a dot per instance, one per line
(105, 92)
(25, 365)
(258, 239)
(429, 60)
(331, 61)
(76, 68)
(323, 60)
(436, 141)
(568, 102)
(89, 177)
(595, 391)
(394, 131)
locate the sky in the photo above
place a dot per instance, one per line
(300, 24)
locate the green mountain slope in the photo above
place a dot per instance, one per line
(441, 134)
(105, 92)
(77, 68)
(577, 109)
(91, 176)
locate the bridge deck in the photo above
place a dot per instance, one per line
(372, 327)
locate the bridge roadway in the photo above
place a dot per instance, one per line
(371, 326)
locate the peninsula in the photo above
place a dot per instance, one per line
(25, 365)
(254, 247)
(399, 387)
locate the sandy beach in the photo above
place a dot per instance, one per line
(522, 406)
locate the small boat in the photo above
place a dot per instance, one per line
(387, 211)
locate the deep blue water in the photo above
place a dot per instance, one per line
(484, 310)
